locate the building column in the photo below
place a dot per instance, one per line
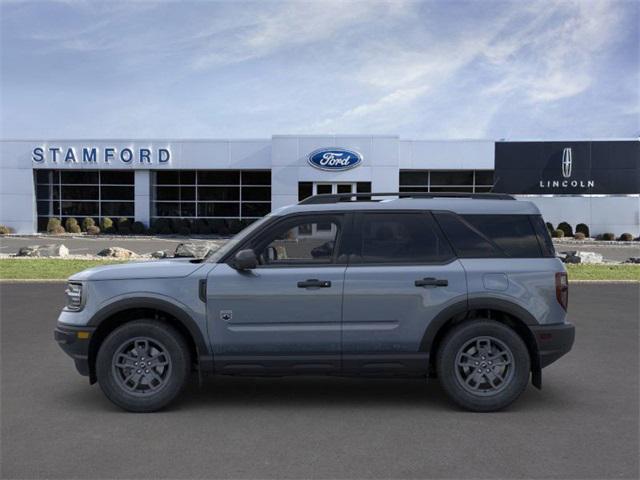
(142, 196)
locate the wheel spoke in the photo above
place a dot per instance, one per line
(484, 365)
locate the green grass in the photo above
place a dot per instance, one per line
(46, 268)
(14, 269)
(604, 272)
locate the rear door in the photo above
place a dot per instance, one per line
(401, 274)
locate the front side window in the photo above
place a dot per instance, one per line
(411, 238)
(303, 241)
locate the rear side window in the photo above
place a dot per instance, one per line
(514, 234)
(544, 239)
(411, 238)
(467, 241)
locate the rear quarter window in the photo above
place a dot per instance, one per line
(492, 236)
(514, 234)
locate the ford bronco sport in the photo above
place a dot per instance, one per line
(465, 288)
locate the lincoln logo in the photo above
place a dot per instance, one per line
(567, 167)
(567, 160)
(334, 159)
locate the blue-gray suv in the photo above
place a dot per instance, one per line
(465, 288)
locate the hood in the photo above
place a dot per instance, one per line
(173, 268)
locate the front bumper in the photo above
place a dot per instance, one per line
(74, 341)
(553, 341)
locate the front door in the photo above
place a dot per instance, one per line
(285, 315)
(401, 275)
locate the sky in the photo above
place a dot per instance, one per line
(420, 70)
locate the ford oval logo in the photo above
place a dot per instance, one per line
(334, 159)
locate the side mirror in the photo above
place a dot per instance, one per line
(245, 260)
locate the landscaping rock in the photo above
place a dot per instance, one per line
(582, 257)
(196, 250)
(116, 252)
(51, 250)
(159, 254)
(632, 260)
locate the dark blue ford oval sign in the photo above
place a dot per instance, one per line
(334, 159)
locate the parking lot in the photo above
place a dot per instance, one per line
(583, 424)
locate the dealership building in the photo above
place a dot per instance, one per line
(596, 182)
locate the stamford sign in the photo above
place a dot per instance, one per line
(95, 155)
(334, 159)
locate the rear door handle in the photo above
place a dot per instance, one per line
(314, 283)
(432, 282)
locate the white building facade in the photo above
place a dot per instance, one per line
(596, 183)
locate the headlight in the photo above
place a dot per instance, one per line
(74, 297)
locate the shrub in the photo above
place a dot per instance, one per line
(106, 225)
(550, 227)
(202, 227)
(138, 228)
(162, 226)
(70, 223)
(53, 224)
(93, 230)
(557, 233)
(566, 228)
(4, 230)
(88, 222)
(124, 226)
(579, 236)
(608, 236)
(626, 237)
(583, 228)
(57, 230)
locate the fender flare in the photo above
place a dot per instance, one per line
(177, 311)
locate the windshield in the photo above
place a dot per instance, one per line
(214, 256)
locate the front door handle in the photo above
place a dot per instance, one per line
(432, 282)
(314, 283)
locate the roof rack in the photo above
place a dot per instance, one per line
(350, 197)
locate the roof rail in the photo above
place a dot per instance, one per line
(350, 197)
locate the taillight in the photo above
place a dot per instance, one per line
(562, 289)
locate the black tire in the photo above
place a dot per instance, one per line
(461, 345)
(161, 384)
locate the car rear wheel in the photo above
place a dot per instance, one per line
(483, 365)
(143, 365)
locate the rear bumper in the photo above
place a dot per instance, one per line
(553, 341)
(74, 345)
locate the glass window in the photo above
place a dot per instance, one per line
(219, 193)
(453, 177)
(250, 177)
(255, 209)
(514, 234)
(484, 177)
(219, 177)
(544, 239)
(117, 177)
(167, 209)
(43, 176)
(76, 192)
(76, 177)
(80, 209)
(414, 178)
(301, 242)
(117, 209)
(261, 194)
(168, 178)
(218, 209)
(305, 190)
(402, 238)
(467, 241)
(42, 191)
(168, 193)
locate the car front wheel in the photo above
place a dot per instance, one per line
(483, 365)
(143, 365)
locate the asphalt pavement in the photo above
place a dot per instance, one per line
(582, 424)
